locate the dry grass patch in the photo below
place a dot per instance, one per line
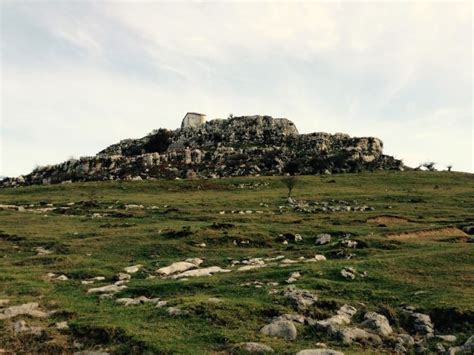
(447, 232)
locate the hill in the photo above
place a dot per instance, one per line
(238, 146)
(90, 261)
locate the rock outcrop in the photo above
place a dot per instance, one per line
(238, 146)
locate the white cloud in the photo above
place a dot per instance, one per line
(79, 76)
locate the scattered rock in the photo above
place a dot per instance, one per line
(280, 329)
(175, 312)
(42, 251)
(30, 309)
(200, 272)
(317, 257)
(302, 298)
(447, 338)
(132, 269)
(319, 352)
(107, 289)
(294, 276)
(378, 323)
(422, 323)
(179, 266)
(323, 238)
(62, 325)
(254, 348)
(4, 302)
(22, 327)
(348, 273)
(352, 334)
(136, 301)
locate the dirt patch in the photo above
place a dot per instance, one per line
(388, 220)
(430, 233)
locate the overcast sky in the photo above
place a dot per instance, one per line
(79, 76)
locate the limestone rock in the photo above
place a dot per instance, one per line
(30, 309)
(378, 323)
(302, 298)
(238, 146)
(323, 238)
(319, 352)
(200, 272)
(254, 348)
(107, 289)
(179, 266)
(280, 329)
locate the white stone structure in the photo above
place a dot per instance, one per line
(193, 120)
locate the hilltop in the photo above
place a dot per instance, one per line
(237, 146)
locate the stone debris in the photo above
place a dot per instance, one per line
(254, 348)
(378, 323)
(40, 251)
(422, 324)
(251, 267)
(294, 276)
(319, 352)
(348, 273)
(353, 334)
(30, 309)
(447, 338)
(280, 329)
(136, 301)
(107, 289)
(4, 302)
(323, 238)
(161, 304)
(298, 318)
(200, 272)
(132, 269)
(302, 298)
(22, 327)
(352, 244)
(317, 257)
(62, 326)
(93, 280)
(342, 318)
(176, 312)
(179, 266)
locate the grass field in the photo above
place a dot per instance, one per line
(410, 245)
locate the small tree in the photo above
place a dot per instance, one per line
(290, 182)
(449, 167)
(430, 166)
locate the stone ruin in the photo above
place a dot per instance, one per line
(237, 146)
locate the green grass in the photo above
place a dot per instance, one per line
(440, 266)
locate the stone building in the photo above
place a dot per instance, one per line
(193, 120)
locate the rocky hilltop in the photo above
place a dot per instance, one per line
(237, 146)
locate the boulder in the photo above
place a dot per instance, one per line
(174, 268)
(319, 352)
(30, 309)
(378, 323)
(107, 289)
(200, 272)
(254, 348)
(323, 238)
(302, 298)
(280, 329)
(352, 334)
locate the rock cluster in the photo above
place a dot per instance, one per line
(238, 146)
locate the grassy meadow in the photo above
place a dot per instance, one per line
(410, 245)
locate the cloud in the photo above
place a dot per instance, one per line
(78, 76)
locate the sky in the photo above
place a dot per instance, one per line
(77, 76)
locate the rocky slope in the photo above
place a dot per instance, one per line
(238, 146)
